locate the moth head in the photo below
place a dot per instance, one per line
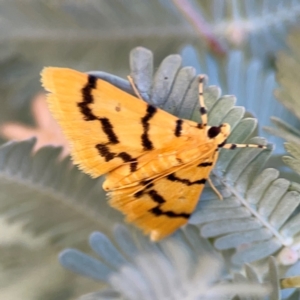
(219, 133)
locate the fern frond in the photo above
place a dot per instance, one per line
(50, 198)
(288, 94)
(88, 35)
(254, 219)
(87, 32)
(261, 209)
(183, 266)
(290, 282)
(283, 283)
(272, 277)
(288, 78)
(259, 204)
(57, 25)
(80, 201)
(246, 79)
(236, 170)
(293, 161)
(94, 33)
(258, 26)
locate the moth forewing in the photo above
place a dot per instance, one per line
(156, 164)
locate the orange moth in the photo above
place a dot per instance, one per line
(156, 164)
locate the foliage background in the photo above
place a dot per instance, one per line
(247, 48)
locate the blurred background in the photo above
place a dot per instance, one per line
(249, 48)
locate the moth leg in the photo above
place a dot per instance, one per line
(233, 146)
(214, 189)
(203, 110)
(136, 91)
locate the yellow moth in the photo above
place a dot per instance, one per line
(156, 164)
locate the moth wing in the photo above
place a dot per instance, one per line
(162, 206)
(105, 126)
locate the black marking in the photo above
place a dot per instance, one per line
(233, 146)
(200, 126)
(108, 155)
(104, 152)
(88, 114)
(86, 111)
(179, 160)
(147, 144)
(108, 130)
(145, 182)
(157, 211)
(222, 144)
(178, 127)
(169, 213)
(125, 156)
(200, 181)
(133, 165)
(213, 131)
(139, 194)
(88, 98)
(203, 110)
(148, 183)
(156, 197)
(260, 146)
(205, 164)
(172, 177)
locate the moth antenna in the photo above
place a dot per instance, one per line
(233, 146)
(136, 91)
(203, 110)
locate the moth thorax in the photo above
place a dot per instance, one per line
(219, 133)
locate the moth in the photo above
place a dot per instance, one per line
(156, 164)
